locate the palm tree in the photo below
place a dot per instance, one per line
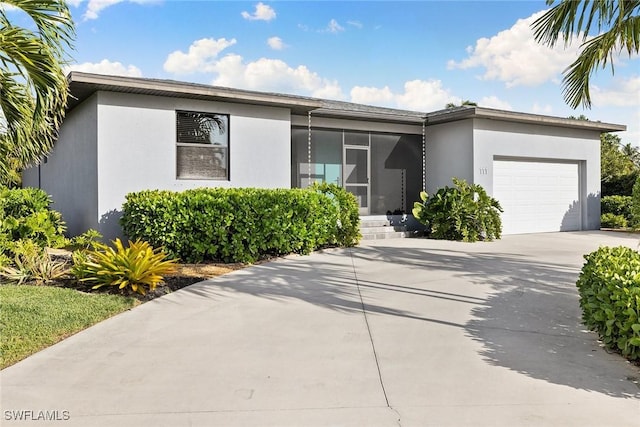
(632, 152)
(33, 87)
(465, 103)
(618, 25)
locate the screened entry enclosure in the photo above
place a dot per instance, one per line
(383, 170)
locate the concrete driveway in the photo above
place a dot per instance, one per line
(408, 332)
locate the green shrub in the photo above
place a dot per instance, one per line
(138, 267)
(85, 240)
(609, 220)
(32, 265)
(25, 214)
(464, 212)
(239, 225)
(617, 205)
(635, 205)
(609, 287)
(347, 231)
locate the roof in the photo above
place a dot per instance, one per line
(83, 85)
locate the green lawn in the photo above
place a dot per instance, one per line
(35, 317)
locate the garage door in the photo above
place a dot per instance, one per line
(537, 196)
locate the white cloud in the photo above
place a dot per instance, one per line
(514, 57)
(372, 95)
(356, 24)
(624, 93)
(333, 27)
(494, 102)
(106, 67)
(74, 3)
(263, 12)
(541, 109)
(201, 57)
(419, 95)
(94, 7)
(276, 43)
(273, 75)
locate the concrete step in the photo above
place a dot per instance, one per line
(387, 235)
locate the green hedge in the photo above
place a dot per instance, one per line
(241, 225)
(616, 205)
(25, 214)
(609, 287)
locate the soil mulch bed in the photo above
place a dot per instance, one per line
(186, 274)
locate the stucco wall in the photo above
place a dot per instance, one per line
(449, 153)
(494, 138)
(137, 148)
(69, 174)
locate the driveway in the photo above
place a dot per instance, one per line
(409, 332)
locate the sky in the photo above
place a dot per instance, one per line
(415, 55)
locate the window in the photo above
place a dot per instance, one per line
(202, 145)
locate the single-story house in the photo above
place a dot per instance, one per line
(124, 134)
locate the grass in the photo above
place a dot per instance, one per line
(35, 317)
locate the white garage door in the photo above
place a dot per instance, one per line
(537, 196)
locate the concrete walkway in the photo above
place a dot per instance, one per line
(408, 332)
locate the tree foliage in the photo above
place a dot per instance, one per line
(33, 87)
(618, 167)
(617, 23)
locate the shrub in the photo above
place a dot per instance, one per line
(609, 287)
(25, 214)
(464, 212)
(84, 241)
(240, 225)
(32, 265)
(635, 205)
(138, 267)
(609, 220)
(347, 231)
(617, 205)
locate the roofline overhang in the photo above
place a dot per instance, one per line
(83, 85)
(463, 113)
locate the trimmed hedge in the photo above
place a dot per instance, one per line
(241, 225)
(609, 287)
(609, 220)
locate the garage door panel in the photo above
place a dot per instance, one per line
(537, 196)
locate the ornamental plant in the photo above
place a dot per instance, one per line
(138, 267)
(609, 288)
(464, 212)
(635, 205)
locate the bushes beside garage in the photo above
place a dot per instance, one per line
(242, 224)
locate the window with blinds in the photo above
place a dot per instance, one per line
(202, 145)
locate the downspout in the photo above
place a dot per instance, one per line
(309, 148)
(424, 154)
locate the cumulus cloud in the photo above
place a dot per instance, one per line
(263, 12)
(419, 95)
(372, 95)
(106, 67)
(624, 93)
(276, 43)
(274, 75)
(201, 56)
(514, 57)
(494, 102)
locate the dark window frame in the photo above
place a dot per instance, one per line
(195, 141)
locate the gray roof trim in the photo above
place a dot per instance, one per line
(462, 113)
(83, 85)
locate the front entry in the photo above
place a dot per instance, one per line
(356, 175)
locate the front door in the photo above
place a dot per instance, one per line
(356, 175)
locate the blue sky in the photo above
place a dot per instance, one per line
(415, 55)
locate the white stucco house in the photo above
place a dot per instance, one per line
(124, 134)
